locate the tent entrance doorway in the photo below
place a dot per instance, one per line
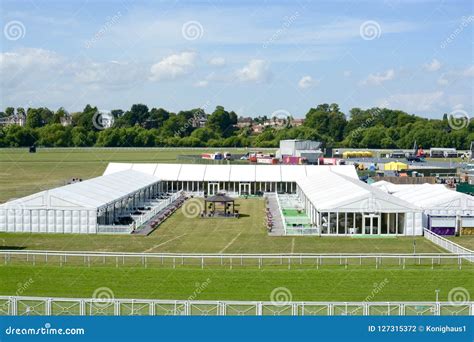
(371, 224)
(244, 189)
(212, 189)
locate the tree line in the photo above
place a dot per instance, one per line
(143, 127)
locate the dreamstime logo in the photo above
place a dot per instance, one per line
(199, 288)
(281, 114)
(281, 296)
(376, 289)
(287, 22)
(109, 22)
(367, 123)
(14, 30)
(464, 23)
(192, 30)
(458, 119)
(192, 208)
(459, 296)
(22, 287)
(102, 297)
(370, 30)
(371, 206)
(102, 119)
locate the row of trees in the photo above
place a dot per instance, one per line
(140, 126)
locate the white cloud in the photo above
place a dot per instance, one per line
(347, 73)
(257, 70)
(422, 102)
(201, 84)
(306, 82)
(111, 74)
(29, 65)
(379, 78)
(217, 61)
(456, 75)
(173, 66)
(434, 65)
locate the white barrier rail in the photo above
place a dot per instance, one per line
(449, 245)
(233, 260)
(155, 210)
(33, 306)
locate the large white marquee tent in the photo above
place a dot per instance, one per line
(443, 209)
(341, 205)
(333, 197)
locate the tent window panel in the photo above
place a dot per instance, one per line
(332, 223)
(358, 223)
(401, 224)
(341, 223)
(384, 225)
(324, 223)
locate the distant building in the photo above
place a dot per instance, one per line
(66, 120)
(308, 149)
(16, 119)
(256, 129)
(244, 122)
(199, 121)
(297, 122)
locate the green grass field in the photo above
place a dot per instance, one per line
(197, 235)
(332, 284)
(23, 173)
(465, 241)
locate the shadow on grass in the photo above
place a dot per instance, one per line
(12, 248)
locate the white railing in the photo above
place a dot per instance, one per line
(303, 260)
(449, 245)
(36, 306)
(115, 229)
(142, 219)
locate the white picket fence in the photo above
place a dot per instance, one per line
(42, 306)
(314, 261)
(449, 245)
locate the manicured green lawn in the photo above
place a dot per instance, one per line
(217, 235)
(332, 284)
(465, 241)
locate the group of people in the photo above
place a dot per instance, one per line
(269, 219)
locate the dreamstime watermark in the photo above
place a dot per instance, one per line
(47, 329)
(464, 23)
(192, 30)
(281, 296)
(371, 205)
(103, 297)
(199, 288)
(459, 296)
(193, 121)
(102, 119)
(14, 30)
(376, 289)
(458, 119)
(109, 22)
(22, 287)
(367, 123)
(370, 30)
(192, 208)
(287, 22)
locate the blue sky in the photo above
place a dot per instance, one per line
(252, 57)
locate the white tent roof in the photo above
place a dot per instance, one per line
(217, 173)
(233, 173)
(189, 172)
(92, 193)
(435, 198)
(330, 191)
(242, 173)
(268, 173)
